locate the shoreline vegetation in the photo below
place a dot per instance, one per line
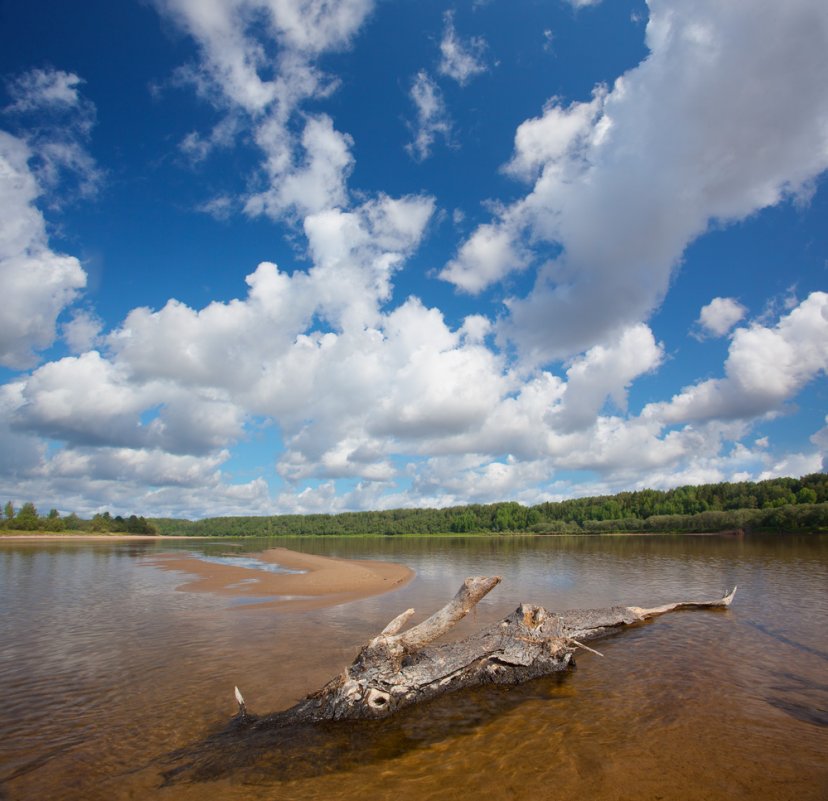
(775, 505)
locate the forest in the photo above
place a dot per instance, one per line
(779, 504)
(27, 518)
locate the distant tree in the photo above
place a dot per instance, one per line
(53, 521)
(146, 526)
(27, 519)
(509, 516)
(806, 495)
(463, 523)
(8, 510)
(101, 522)
(139, 525)
(72, 522)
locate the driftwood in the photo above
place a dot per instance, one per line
(399, 668)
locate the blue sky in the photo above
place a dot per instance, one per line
(276, 256)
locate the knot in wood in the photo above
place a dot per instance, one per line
(377, 701)
(533, 616)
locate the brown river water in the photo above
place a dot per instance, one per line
(112, 682)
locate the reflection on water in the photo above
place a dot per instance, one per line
(249, 562)
(116, 687)
(279, 754)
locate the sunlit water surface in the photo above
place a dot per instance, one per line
(111, 682)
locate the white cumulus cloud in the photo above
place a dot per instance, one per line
(393, 398)
(239, 74)
(605, 371)
(719, 316)
(81, 332)
(317, 182)
(738, 127)
(36, 283)
(765, 368)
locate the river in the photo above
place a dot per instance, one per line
(111, 680)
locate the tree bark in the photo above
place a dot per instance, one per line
(399, 668)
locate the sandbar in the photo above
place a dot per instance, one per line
(326, 580)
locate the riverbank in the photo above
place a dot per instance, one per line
(82, 537)
(241, 538)
(437, 535)
(319, 581)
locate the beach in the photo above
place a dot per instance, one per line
(323, 581)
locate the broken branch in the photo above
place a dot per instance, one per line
(399, 668)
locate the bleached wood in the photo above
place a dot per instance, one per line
(399, 668)
(397, 623)
(442, 621)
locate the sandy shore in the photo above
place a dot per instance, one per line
(326, 581)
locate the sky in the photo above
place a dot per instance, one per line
(294, 256)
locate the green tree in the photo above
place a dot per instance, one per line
(27, 519)
(8, 510)
(53, 521)
(101, 522)
(509, 516)
(139, 525)
(806, 495)
(72, 522)
(463, 523)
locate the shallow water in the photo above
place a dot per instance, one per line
(247, 562)
(106, 671)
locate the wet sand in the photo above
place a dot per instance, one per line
(325, 581)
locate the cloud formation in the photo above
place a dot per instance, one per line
(258, 65)
(349, 404)
(55, 120)
(460, 60)
(737, 127)
(44, 89)
(719, 316)
(765, 368)
(377, 399)
(36, 283)
(432, 119)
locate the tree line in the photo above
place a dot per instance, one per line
(27, 518)
(780, 504)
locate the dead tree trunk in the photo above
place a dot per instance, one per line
(399, 668)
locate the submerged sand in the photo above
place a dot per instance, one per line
(326, 581)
